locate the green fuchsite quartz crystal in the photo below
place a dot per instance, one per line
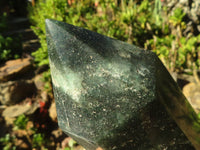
(107, 90)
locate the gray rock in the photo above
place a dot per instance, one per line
(192, 92)
(12, 92)
(13, 69)
(108, 93)
(17, 110)
(39, 82)
(191, 8)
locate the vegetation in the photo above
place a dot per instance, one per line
(35, 139)
(9, 47)
(124, 20)
(143, 23)
(8, 141)
(177, 51)
(27, 129)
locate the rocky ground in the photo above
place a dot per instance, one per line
(23, 91)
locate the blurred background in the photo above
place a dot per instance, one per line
(170, 28)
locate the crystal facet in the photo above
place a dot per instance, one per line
(104, 88)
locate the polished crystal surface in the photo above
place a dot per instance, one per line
(104, 88)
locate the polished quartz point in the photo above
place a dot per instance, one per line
(107, 90)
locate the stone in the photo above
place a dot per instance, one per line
(2, 108)
(14, 68)
(192, 92)
(21, 144)
(65, 142)
(58, 134)
(69, 142)
(39, 82)
(79, 148)
(108, 93)
(52, 112)
(191, 8)
(12, 92)
(17, 110)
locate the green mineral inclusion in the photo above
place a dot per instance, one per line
(69, 84)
